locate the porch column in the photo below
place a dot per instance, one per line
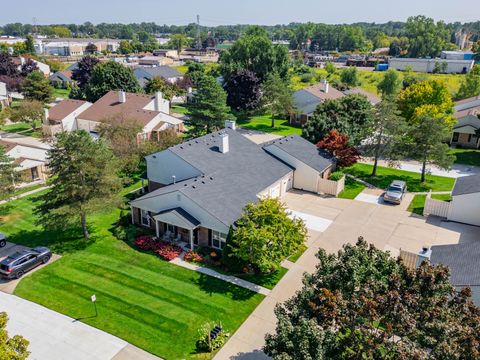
(131, 213)
(191, 239)
(156, 229)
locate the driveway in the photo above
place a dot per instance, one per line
(388, 227)
(54, 336)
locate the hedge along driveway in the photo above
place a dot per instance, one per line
(142, 299)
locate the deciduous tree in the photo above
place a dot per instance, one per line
(265, 235)
(243, 91)
(363, 304)
(426, 38)
(11, 348)
(28, 111)
(82, 73)
(349, 76)
(209, 110)
(108, 76)
(390, 85)
(37, 87)
(27, 67)
(178, 42)
(470, 85)
(336, 144)
(277, 98)
(157, 83)
(84, 179)
(7, 67)
(428, 139)
(388, 131)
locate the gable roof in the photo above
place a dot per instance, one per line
(471, 120)
(64, 108)
(307, 99)
(108, 106)
(304, 151)
(374, 99)
(179, 217)
(466, 185)
(229, 180)
(143, 74)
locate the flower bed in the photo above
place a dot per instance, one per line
(165, 250)
(193, 256)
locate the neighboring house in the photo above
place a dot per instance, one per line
(451, 66)
(61, 79)
(170, 53)
(466, 130)
(143, 74)
(42, 67)
(28, 153)
(306, 100)
(198, 189)
(151, 112)
(63, 116)
(465, 204)
(154, 61)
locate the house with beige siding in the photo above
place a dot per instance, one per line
(466, 132)
(198, 189)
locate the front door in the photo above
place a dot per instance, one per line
(34, 173)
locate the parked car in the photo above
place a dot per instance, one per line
(3, 240)
(394, 193)
(17, 264)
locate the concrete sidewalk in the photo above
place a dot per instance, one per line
(457, 170)
(54, 336)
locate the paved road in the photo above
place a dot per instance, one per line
(388, 227)
(458, 170)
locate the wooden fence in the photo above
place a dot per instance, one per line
(331, 187)
(436, 207)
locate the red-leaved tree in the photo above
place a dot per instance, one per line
(337, 145)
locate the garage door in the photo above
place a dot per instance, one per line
(275, 191)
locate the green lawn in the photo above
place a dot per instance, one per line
(443, 197)
(142, 299)
(295, 256)
(466, 156)
(417, 204)
(181, 109)
(23, 128)
(264, 122)
(268, 281)
(352, 189)
(22, 191)
(386, 175)
(61, 93)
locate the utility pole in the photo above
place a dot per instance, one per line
(199, 40)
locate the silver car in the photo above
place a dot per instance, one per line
(394, 193)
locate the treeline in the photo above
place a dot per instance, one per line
(352, 37)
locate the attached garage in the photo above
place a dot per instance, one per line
(465, 205)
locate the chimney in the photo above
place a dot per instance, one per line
(230, 124)
(45, 116)
(324, 85)
(158, 100)
(223, 147)
(122, 97)
(424, 255)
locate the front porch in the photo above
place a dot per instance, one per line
(179, 226)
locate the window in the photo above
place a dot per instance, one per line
(218, 239)
(455, 137)
(145, 218)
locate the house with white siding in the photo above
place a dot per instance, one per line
(198, 189)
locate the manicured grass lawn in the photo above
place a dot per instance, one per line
(417, 204)
(466, 156)
(267, 281)
(23, 128)
(61, 93)
(179, 109)
(386, 175)
(22, 191)
(352, 189)
(295, 256)
(142, 299)
(443, 197)
(264, 122)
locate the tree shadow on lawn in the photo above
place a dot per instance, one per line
(213, 285)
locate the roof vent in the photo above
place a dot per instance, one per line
(224, 145)
(122, 97)
(230, 124)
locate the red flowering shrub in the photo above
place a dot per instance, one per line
(193, 256)
(146, 242)
(168, 251)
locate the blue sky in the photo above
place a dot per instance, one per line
(222, 12)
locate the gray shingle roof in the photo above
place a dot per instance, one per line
(145, 73)
(305, 102)
(466, 185)
(229, 180)
(471, 120)
(304, 151)
(179, 217)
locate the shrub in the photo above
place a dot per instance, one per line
(167, 251)
(306, 78)
(125, 233)
(146, 242)
(193, 256)
(203, 343)
(336, 176)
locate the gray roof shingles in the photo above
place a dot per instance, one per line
(466, 185)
